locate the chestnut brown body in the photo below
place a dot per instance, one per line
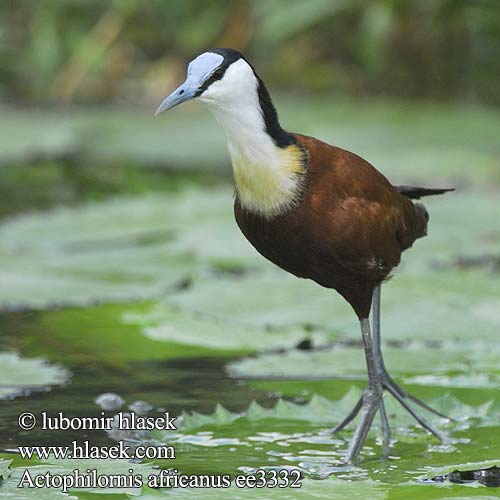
(348, 230)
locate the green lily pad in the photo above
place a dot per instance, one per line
(472, 364)
(170, 325)
(127, 248)
(290, 435)
(438, 304)
(63, 467)
(109, 333)
(330, 489)
(19, 375)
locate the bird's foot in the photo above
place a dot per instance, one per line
(372, 401)
(401, 394)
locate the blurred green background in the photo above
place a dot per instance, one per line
(121, 267)
(122, 51)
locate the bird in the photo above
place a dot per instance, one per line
(316, 211)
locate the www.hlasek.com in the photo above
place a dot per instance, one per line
(85, 450)
(91, 478)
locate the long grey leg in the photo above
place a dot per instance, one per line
(379, 363)
(378, 380)
(371, 396)
(387, 380)
(377, 349)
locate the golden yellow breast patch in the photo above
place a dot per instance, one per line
(272, 187)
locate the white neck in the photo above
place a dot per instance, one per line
(247, 139)
(265, 174)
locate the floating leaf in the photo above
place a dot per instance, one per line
(111, 467)
(473, 471)
(329, 489)
(474, 364)
(290, 435)
(20, 375)
(167, 324)
(83, 334)
(123, 248)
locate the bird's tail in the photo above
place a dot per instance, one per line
(415, 193)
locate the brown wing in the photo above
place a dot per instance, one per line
(368, 222)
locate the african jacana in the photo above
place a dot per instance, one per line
(315, 210)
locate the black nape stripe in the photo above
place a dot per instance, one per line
(279, 136)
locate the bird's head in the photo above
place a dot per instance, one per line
(226, 82)
(268, 172)
(218, 78)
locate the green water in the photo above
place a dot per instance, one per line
(183, 383)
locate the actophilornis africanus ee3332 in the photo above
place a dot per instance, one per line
(315, 210)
